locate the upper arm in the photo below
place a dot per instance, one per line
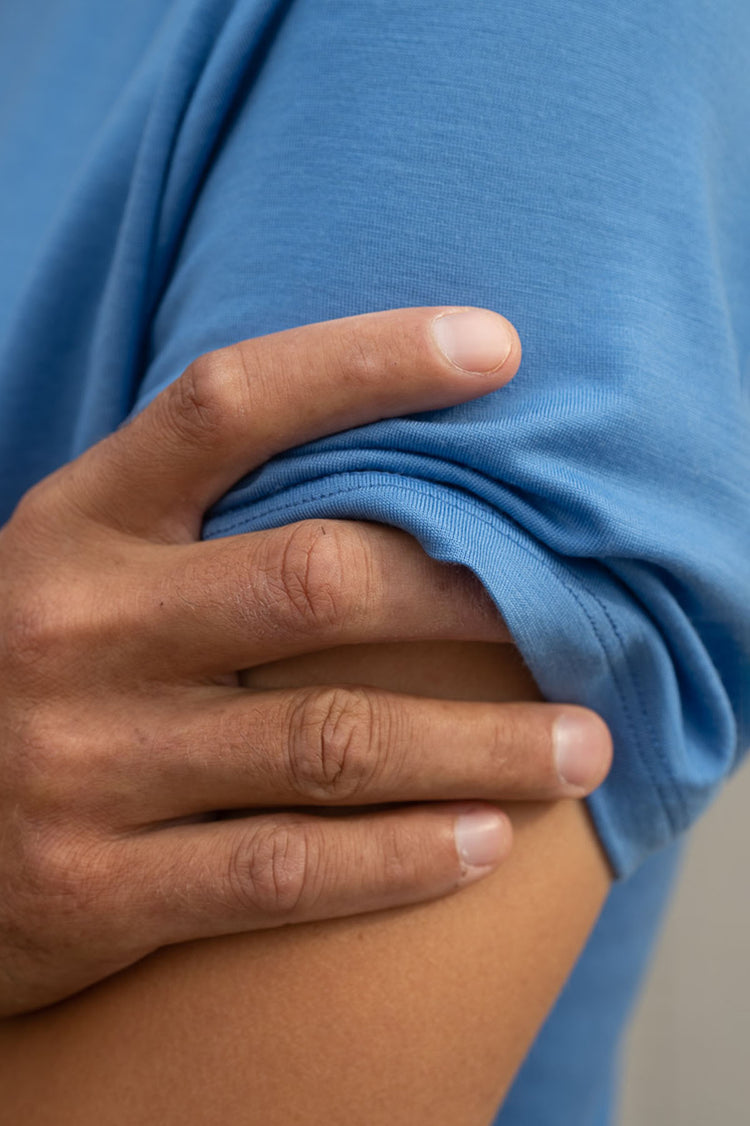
(582, 169)
(414, 1015)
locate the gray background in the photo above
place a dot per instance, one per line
(688, 1054)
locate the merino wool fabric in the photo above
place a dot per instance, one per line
(176, 175)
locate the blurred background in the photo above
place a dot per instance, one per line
(688, 1054)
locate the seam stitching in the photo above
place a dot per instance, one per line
(506, 533)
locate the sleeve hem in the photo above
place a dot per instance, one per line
(577, 653)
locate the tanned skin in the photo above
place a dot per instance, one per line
(416, 1015)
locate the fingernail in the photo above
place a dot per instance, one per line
(481, 841)
(476, 340)
(578, 749)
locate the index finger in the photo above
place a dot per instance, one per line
(236, 407)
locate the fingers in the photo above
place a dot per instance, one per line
(267, 870)
(353, 746)
(236, 407)
(232, 603)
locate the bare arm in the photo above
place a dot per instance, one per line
(414, 1015)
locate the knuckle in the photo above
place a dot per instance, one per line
(47, 633)
(516, 728)
(37, 505)
(363, 355)
(200, 404)
(34, 768)
(310, 572)
(332, 741)
(25, 634)
(32, 533)
(57, 774)
(400, 856)
(507, 735)
(54, 776)
(71, 498)
(62, 873)
(33, 632)
(272, 869)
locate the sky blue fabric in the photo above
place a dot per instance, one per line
(179, 174)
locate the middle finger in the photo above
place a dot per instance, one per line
(233, 748)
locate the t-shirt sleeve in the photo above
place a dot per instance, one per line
(583, 169)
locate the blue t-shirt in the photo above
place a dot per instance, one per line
(176, 175)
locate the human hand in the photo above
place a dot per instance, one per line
(123, 727)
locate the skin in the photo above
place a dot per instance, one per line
(415, 1015)
(125, 724)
